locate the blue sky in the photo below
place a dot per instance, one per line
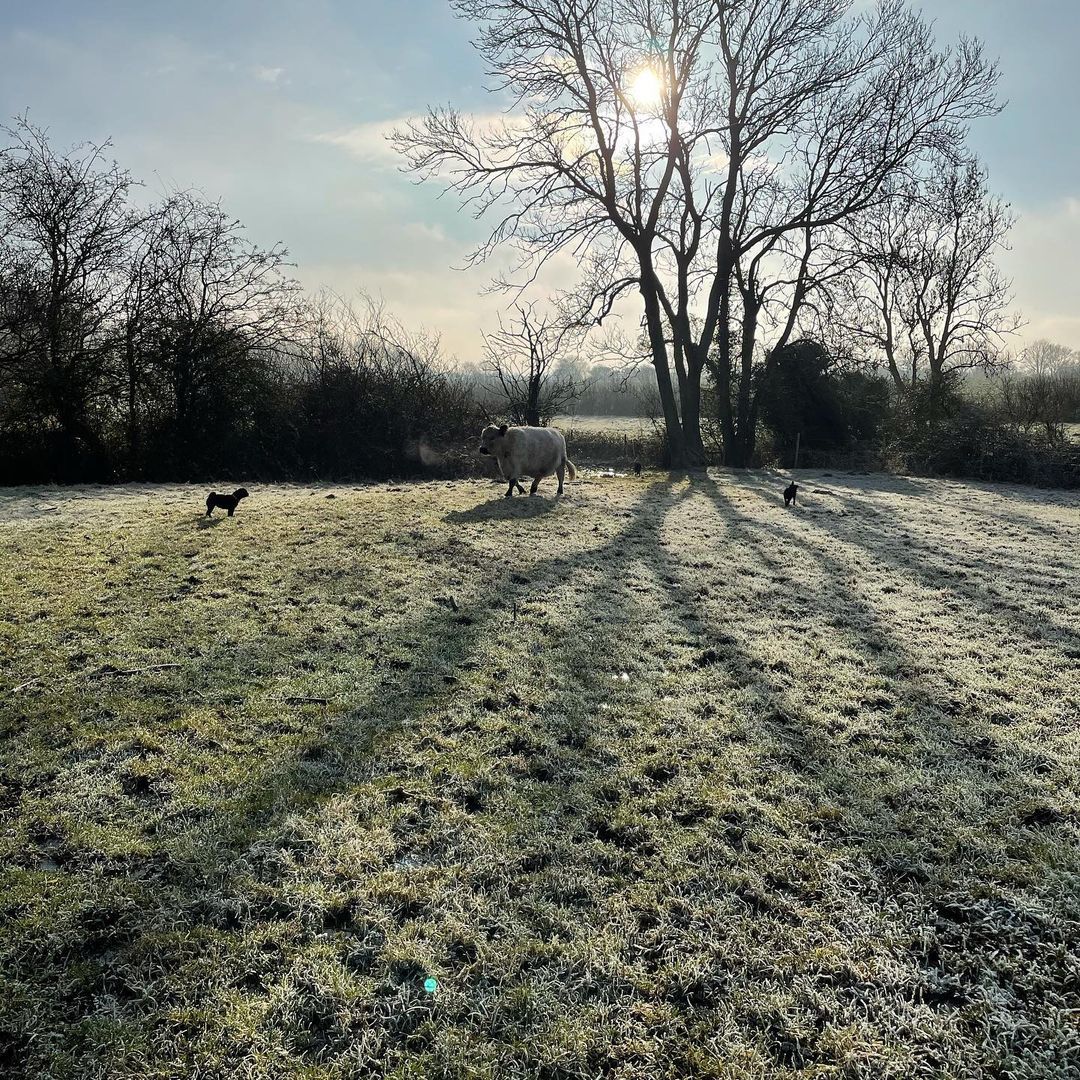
(279, 107)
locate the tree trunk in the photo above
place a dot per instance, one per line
(722, 375)
(691, 408)
(745, 435)
(654, 322)
(132, 402)
(532, 405)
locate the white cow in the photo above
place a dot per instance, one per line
(527, 451)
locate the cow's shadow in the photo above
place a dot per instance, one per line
(504, 509)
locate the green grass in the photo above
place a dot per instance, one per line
(661, 780)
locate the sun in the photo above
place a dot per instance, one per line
(646, 89)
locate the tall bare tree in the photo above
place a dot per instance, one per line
(65, 220)
(924, 294)
(693, 151)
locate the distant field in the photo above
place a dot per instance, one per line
(659, 780)
(621, 425)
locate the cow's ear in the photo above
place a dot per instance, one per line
(502, 430)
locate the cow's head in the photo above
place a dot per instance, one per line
(490, 436)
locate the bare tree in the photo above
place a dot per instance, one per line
(1042, 391)
(374, 390)
(142, 287)
(215, 300)
(924, 294)
(64, 223)
(693, 151)
(522, 357)
(1044, 357)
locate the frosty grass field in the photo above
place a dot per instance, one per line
(660, 780)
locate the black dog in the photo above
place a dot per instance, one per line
(226, 502)
(789, 493)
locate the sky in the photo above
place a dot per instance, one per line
(280, 107)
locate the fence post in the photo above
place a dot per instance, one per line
(798, 439)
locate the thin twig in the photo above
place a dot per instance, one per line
(106, 672)
(23, 686)
(307, 701)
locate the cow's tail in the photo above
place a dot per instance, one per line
(571, 469)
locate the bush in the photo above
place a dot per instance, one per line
(967, 440)
(829, 415)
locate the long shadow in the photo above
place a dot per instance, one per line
(628, 602)
(125, 917)
(956, 742)
(945, 760)
(923, 561)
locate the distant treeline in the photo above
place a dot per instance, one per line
(597, 389)
(161, 343)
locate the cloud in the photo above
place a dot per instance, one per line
(367, 141)
(419, 230)
(268, 74)
(1044, 264)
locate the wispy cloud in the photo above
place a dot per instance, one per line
(269, 74)
(419, 230)
(368, 141)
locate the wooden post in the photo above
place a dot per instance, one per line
(798, 439)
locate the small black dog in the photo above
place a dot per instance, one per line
(226, 502)
(637, 468)
(789, 493)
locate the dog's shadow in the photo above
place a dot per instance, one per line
(504, 509)
(203, 522)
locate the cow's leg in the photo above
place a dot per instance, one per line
(510, 489)
(561, 472)
(521, 490)
(535, 485)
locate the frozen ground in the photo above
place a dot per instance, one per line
(658, 780)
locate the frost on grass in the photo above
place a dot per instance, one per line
(659, 780)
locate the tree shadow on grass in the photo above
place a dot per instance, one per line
(971, 569)
(222, 877)
(901, 803)
(742, 858)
